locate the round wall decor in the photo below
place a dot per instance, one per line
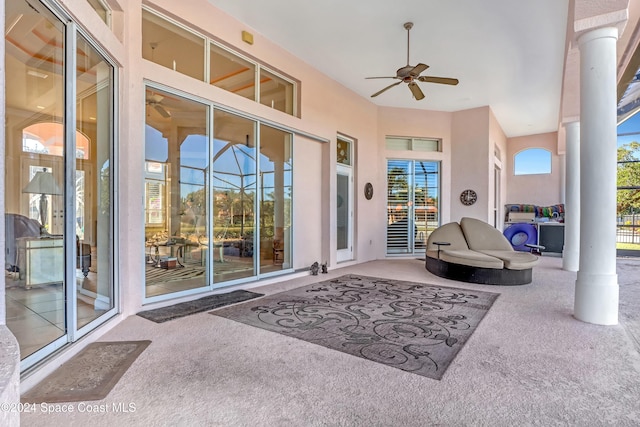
(368, 191)
(468, 197)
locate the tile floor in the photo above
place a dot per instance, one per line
(36, 316)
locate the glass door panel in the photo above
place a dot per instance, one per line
(176, 170)
(344, 202)
(412, 204)
(425, 206)
(34, 176)
(275, 199)
(234, 196)
(342, 214)
(398, 206)
(94, 116)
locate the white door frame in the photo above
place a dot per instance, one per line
(345, 208)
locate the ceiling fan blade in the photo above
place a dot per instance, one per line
(388, 87)
(162, 111)
(415, 90)
(442, 80)
(418, 69)
(395, 77)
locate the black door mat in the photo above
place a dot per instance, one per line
(210, 302)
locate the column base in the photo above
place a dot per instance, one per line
(570, 260)
(596, 298)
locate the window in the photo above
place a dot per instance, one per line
(343, 151)
(172, 46)
(532, 161)
(628, 183)
(231, 72)
(102, 10)
(182, 49)
(276, 92)
(394, 143)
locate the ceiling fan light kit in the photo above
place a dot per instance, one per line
(409, 73)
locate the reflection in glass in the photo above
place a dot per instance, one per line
(94, 82)
(275, 199)
(171, 46)
(276, 92)
(176, 168)
(234, 191)
(232, 73)
(342, 210)
(34, 176)
(425, 204)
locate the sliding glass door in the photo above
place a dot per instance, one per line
(217, 196)
(58, 181)
(413, 188)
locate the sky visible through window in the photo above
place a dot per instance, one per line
(532, 161)
(629, 130)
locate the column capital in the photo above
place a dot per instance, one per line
(598, 33)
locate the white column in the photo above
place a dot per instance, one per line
(571, 250)
(596, 292)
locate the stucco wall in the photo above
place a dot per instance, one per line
(470, 159)
(541, 189)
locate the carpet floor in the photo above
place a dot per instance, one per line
(530, 363)
(410, 326)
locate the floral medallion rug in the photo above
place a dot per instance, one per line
(415, 327)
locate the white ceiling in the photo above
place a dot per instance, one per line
(507, 54)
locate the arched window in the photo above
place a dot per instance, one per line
(47, 138)
(532, 161)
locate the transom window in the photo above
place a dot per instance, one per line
(180, 48)
(403, 143)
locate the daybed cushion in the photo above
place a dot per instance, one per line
(514, 260)
(470, 258)
(482, 236)
(450, 233)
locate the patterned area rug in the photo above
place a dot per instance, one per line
(89, 375)
(156, 275)
(415, 327)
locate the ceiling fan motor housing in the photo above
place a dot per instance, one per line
(409, 73)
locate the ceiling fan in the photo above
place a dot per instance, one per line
(409, 74)
(154, 100)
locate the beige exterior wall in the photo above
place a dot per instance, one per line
(472, 162)
(543, 190)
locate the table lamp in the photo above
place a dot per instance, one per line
(44, 184)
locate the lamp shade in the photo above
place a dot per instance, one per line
(42, 183)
